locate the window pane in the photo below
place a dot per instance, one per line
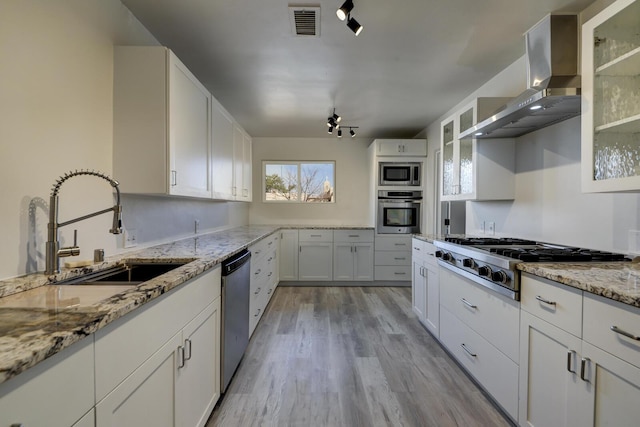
(317, 182)
(281, 181)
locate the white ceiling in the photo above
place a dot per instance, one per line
(413, 61)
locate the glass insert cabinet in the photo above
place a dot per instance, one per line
(611, 99)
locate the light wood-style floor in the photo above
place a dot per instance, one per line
(348, 356)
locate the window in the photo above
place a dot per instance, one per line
(299, 182)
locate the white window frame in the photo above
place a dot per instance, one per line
(299, 164)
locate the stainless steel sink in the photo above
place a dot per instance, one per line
(127, 274)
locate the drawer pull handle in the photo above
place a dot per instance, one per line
(400, 244)
(270, 290)
(257, 291)
(398, 273)
(400, 259)
(468, 304)
(258, 271)
(583, 366)
(570, 354)
(416, 249)
(187, 347)
(464, 347)
(354, 235)
(270, 243)
(257, 313)
(617, 330)
(316, 235)
(539, 298)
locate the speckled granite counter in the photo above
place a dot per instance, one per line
(618, 281)
(31, 333)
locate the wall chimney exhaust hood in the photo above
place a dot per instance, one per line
(553, 83)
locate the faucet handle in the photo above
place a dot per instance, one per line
(71, 250)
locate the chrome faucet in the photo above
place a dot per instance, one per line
(53, 250)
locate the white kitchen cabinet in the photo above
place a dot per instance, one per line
(162, 124)
(179, 356)
(288, 259)
(392, 259)
(611, 99)
(241, 164)
(315, 255)
(264, 277)
(221, 152)
(475, 169)
(401, 147)
(57, 392)
(353, 255)
(426, 285)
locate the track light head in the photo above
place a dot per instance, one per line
(354, 26)
(344, 10)
(339, 133)
(336, 117)
(352, 133)
(330, 131)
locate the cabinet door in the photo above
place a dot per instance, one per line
(315, 261)
(198, 381)
(549, 374)
(419, 291)
(432, 313)
(611, 99)
(343, 261)
(238, 161)
(189, 132)
(222, 153)
(363, 261)
(611, 390)
(246, 194)
(449, 147)
(147, 396)
(288, 255)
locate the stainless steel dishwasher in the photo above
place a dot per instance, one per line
(235, 313)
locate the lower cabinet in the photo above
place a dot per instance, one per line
(58, 392)
(315, 255)
(353, 255)
(161, 365)
(425, 279)
(288, 261)
(264, 277)
(392, 257)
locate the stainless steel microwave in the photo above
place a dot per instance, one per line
(400, 174)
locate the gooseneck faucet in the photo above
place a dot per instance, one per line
(53, 250)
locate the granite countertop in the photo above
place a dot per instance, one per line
(618, 281)
(37, 320)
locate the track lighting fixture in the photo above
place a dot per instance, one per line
(344, 10)
(339, 133)
(330, 131)
(354, 26)
(351, 132)
(334, 120)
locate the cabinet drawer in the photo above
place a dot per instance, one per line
(353, 236)
(495, 371)
(264, 246)
(315, 236)
(393, 258)
(600, 315)
(390, 272)
(558, 304)
(495, 317)
(417, 250)
(393, 243)
(122, 346)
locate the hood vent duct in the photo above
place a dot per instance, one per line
(553, 83)
(305, 20)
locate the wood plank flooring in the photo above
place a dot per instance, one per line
(351, 357)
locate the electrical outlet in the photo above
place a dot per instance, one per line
(491, 228)
(196, 226)
(130, 237)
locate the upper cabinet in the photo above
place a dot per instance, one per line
(401, 147)
(611, 99)
(475, 169)
(162, 128)
(171, 137)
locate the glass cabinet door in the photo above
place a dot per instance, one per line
(448, 160)
(611, 99)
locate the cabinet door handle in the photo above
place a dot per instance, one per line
(617, 330)
(464, 347)
(570, 354)
(355, 249)
(539, 298)
(187, 349)
(583, 366)
(468, 304)
(180, 357)
(174, 178)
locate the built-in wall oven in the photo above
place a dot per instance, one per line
(399, 212)
(399, 174)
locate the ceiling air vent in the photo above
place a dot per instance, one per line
(305, 20)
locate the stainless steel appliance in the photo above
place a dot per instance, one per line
(399, 174)
(235, 313)
(399, 212)
(491, 262)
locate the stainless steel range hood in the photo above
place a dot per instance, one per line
(553, 93)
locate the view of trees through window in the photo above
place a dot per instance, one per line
(299, 182)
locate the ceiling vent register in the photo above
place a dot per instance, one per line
(305, 20)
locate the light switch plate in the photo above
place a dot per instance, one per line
(491, 228)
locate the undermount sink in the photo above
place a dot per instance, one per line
(127, 274)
